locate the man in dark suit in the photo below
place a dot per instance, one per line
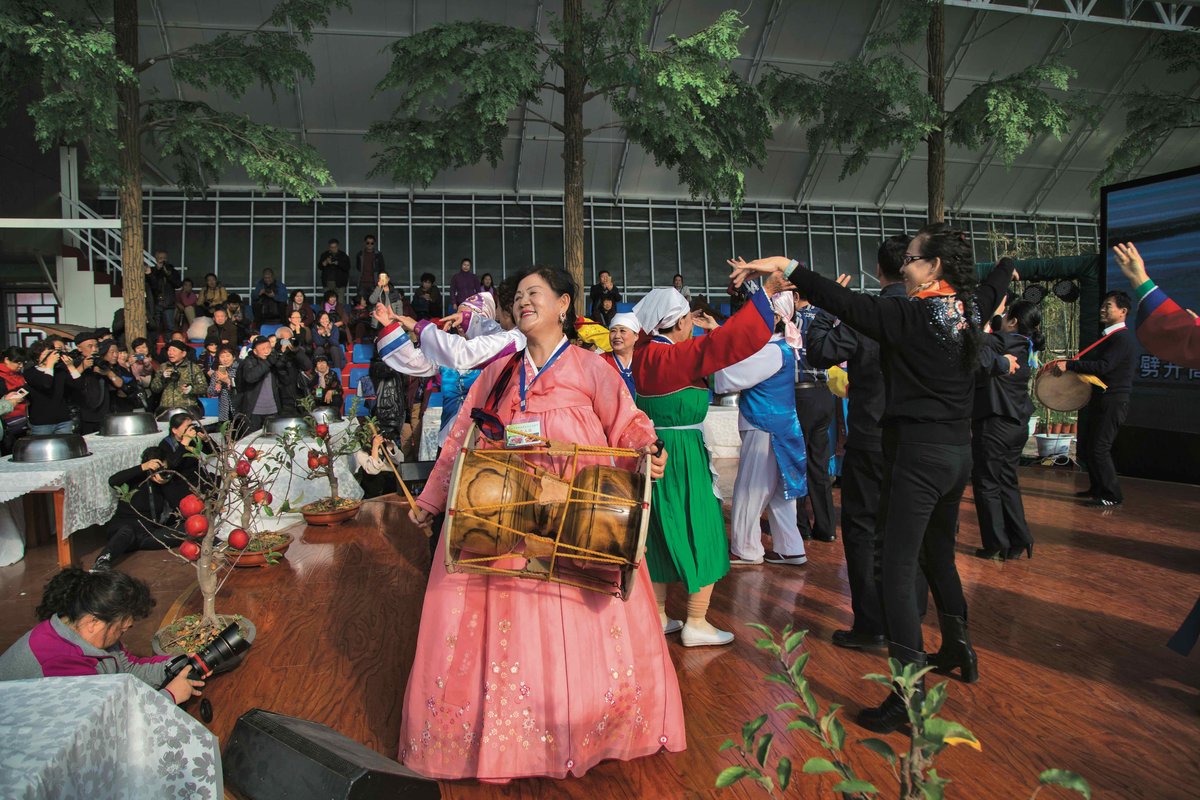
(1113, 360)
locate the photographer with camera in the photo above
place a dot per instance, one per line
(149, 519)
(176, 446)
(294, 364)
(269, 299)
(162, 281)
(258, 386)
(99, 386)
(49, 378)
(83, 616)
(334, 265)
(180, 380)
(222, 382)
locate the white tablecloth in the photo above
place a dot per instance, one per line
(103, 736)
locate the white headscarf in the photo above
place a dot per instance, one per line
(661, 308)
(479, 314)
(626, 319)
(784, 304)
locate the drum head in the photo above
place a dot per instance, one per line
(490, 492)
(1066, 392)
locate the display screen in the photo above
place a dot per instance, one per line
(1161, 216)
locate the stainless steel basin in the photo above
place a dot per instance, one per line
(134, 423)
(49, 447)
(326, 414)
(279, 426)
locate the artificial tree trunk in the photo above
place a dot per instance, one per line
(206, 575)
(574, 83)
(936, 165)
(129, 192)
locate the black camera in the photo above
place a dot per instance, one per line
(220, 655)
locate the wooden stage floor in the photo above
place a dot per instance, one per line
(1074, 669)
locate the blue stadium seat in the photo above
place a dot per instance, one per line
(270, 330)
(356, 375)
(363, 353)
(623, 307)
(211, 406)
(725, 308)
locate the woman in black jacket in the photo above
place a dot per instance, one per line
(999, 430)
(49, 378)
(929, 351)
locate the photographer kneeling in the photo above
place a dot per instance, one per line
(142, 523)
(83, 616)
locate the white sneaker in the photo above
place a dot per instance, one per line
(672, 626)
(737, 561)
(694, 638)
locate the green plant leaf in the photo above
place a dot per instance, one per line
(810, 702)
(796, 670)
(751, 728)
(807, 724)
(875, 677)
(730, 776)
(793, 641)
(764, 749)
(837, 732)
(818, 765)
(935, 697)
(881, 747)
(779, 677)
(933, 791)
(852, 785)
(728, 743)
(763, 629)
(788, 706)
(784, 772)
(1067, 780)
(944, 731)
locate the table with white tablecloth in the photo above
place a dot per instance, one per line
(100, 737)
(82, 496)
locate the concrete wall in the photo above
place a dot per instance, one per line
(84, 302)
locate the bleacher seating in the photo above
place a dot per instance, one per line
(362, 353)
(211, 406)
(725, 308)
(623, 307)
(357, 374)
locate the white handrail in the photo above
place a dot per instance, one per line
(104, 243)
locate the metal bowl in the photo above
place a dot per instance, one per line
(279, 426)
(326, 414)
(727, 400)
(165, 414)
(133, 423)
(49, 447)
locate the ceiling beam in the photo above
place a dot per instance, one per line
(1084, 132)
(761, 50)
(1154, 16)
(537, 25)
(616, 190)
(817, 160)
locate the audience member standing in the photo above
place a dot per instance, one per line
(603, 289)
(815, 408)
(369, 263)
(258, 388)
(486, 284)
(464, 283)
(384, 292)
(163, 281)
(1112, 359)
(49, 377)
(222, 382)
(180, 380)
(334, 266)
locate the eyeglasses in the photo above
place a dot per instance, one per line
(910, 259)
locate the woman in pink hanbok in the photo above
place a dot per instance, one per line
(518, 678)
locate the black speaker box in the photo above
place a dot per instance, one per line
(271, 756)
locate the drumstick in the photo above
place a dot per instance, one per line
(412, 502)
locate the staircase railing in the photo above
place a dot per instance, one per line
(101, 243)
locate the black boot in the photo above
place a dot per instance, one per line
(892, 714)
(956, 652)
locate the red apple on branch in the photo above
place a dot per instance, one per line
(238, 539)
(243, 468)
(191, 505)
(322, 430)
(189, 549)
(323, 460)
(313, 461)
(250, 454)
(196, 526)
(262, 497)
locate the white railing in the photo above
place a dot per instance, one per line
(100, 243)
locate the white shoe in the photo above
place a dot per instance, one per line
(694, 638)
(738, 561)
(776, 558)
(672, 626)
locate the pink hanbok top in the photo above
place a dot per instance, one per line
(518, 678)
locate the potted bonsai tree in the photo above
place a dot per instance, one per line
(317, 459)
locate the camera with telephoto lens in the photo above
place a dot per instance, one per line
(220, 655)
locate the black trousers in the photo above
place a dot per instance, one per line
(996, 445)
(125, 536)
(862, 537)
(1105, 414)
(815, 408)
(923, 486)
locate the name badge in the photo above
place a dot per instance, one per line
(518, 434)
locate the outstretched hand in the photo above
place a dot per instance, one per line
(844, 280)
(1131, 264)
(704, 320)
(452, 321)
(384, 315)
